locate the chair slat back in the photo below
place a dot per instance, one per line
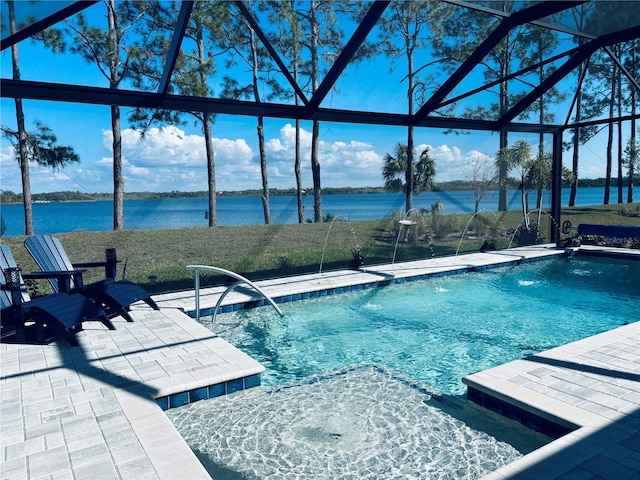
(50, 256)
(5, 296)
(7, 261)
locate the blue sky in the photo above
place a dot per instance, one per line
(173, 158)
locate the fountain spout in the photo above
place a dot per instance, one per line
(326, 239)
(466, 228)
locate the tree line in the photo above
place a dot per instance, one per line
(8, 197)
(219, 39)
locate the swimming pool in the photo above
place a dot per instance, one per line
(442, 329)
(403, 349)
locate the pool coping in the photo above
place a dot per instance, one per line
(91, 412)
(289, 289)
(592, 388)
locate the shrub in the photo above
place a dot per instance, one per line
(528, 235)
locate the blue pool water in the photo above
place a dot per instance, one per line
(367, 384)
(442, 329)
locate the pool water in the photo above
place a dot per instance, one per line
(367, 384)
(441, 329)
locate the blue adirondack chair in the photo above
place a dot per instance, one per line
(115, 297)
(41, 319)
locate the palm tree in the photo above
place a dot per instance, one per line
(518, 157)
(401, 36)
(395, 166)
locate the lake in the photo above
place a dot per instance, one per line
(61, 217)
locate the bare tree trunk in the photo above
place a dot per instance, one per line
(620, 139)
(263, 154)
(296, 167)
(118, 180)
(542, 122)
(576, 149)
(315, 140)
(315, 171)
(207, 120)
(525, 206)
(211, 169)
(297, 160)
(263, 170)
(607, 180)
(633, 159)
(503, 173)
(631, 175)
(540, 189)
(620, 153)
(24, 169)
(22, 134)
(408, 174)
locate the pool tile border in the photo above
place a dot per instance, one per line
(531, 420)
(180, 399)
(324, 292)
(603, 419)
(183, 398)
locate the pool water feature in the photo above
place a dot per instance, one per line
(433, 332)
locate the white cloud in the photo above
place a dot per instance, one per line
(9, 170)
(169, 145)
(236, 150)
(172, 159)
(283, 147)
(451, 162)
(342, 163)
(7, 155)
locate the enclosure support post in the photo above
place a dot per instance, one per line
(556, 186)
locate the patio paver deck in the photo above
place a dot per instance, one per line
(89, 412)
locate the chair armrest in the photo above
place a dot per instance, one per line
(109, 264)
(92, 264)
(62, 277)
(54, 274)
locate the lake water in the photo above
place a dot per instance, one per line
(61, 217)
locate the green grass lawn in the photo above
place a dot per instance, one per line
(266, 251)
